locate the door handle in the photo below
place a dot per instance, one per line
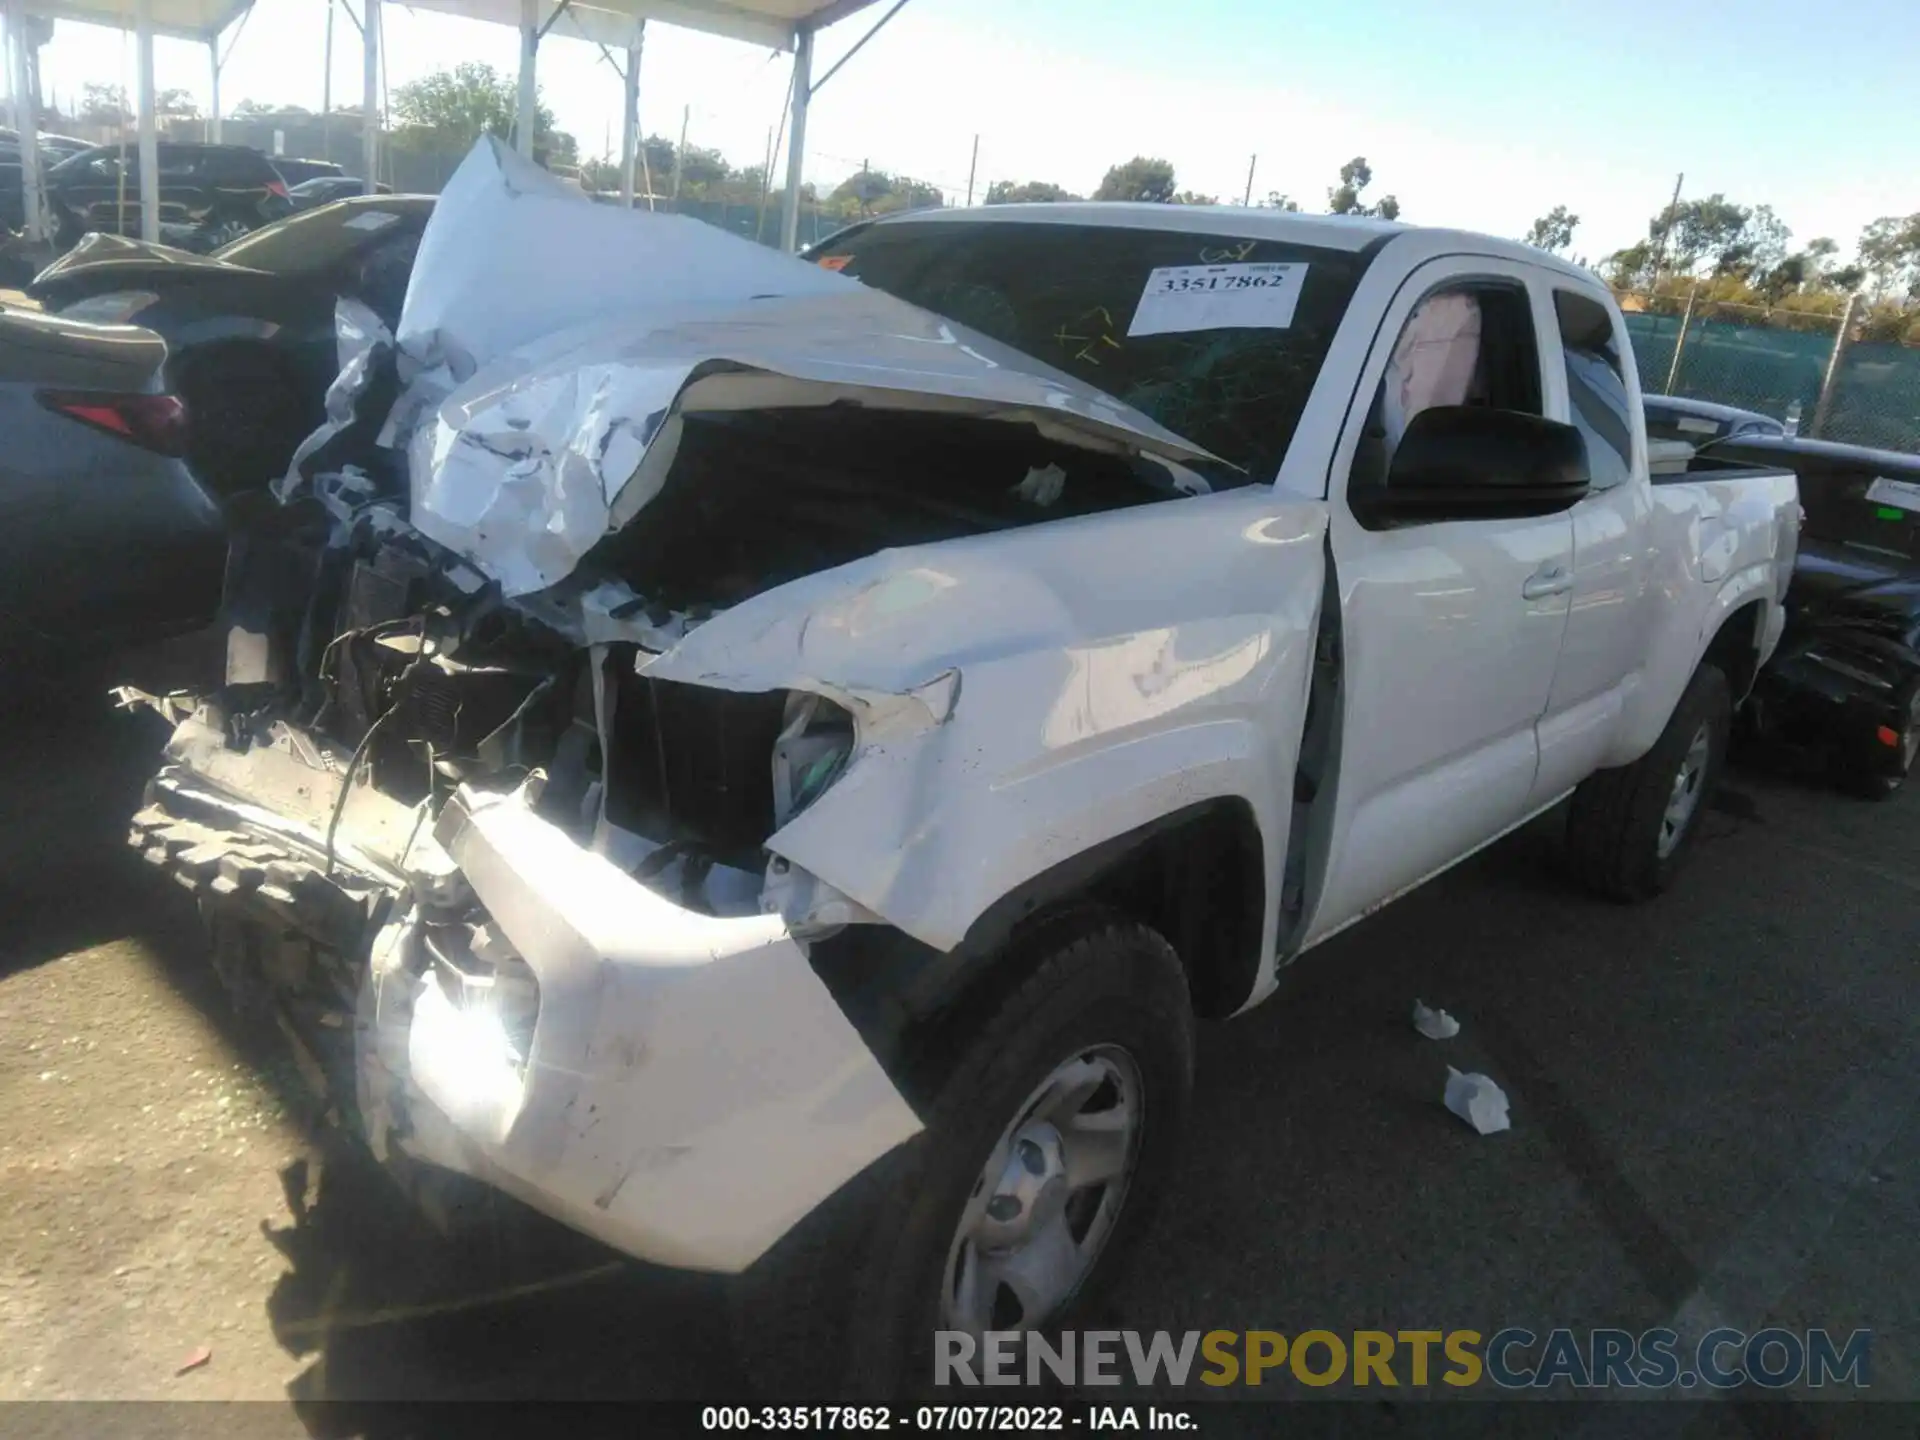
(1548, 580)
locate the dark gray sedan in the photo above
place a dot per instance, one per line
(106, 536)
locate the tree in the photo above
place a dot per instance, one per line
(175, 104)
(1193, 197)
(104, 105)
(1141, 178)
(254, 109)
(1030, 192)
(1890, 255)
(875, 192)
(1553, 231)
(1277, 201)
(453, 108)
(1344, 198)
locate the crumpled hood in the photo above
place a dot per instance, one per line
(543, 388)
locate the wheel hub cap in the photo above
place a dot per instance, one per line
(1048, 1197)
(1685, 799)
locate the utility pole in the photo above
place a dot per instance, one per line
(1666, 228)
(326, 92)
(1823, 407)
(1247, 199)
(680, 155)
(973, 168)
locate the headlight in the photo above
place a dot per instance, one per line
(814, 746)
(117, 308)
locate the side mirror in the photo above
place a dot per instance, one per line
(1464, 462)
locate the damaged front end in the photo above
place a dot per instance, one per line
(486, 819)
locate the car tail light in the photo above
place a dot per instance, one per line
(154, 422)
(278, 187)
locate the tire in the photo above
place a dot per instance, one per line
(224, 232)
(847, 1302)
(1623, 838)
(1862, 770)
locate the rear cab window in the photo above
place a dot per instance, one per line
(1219, 338)
(1598, 405)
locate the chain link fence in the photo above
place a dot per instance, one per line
(1780, 362)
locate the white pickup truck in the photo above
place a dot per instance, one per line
(772, 777)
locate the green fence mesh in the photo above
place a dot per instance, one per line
(1876, 391)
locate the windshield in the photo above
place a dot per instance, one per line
(1224, 352)
(317, 239)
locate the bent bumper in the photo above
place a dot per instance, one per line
(687, 1088)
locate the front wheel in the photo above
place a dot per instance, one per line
(1630, 828)
(1055, 1118)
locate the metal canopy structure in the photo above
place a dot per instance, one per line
(787, 25)
(777, 24)
(203, 21)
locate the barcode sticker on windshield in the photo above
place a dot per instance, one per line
(1694, 425)
(1902, 494)
(370, 220)
(1180, 298)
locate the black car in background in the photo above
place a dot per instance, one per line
(298, 172)
(251, 327)
(107, 538)
(210, 195)
(326, 189)
(1845, 680)
(53, 149)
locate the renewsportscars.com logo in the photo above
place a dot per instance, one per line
(1510, 1359)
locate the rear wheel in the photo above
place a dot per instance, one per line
(1052, 1122)
(225, 231)
(1631, 828)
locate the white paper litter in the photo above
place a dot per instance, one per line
(1180, 298)
(1434, 1024)
(1478, 1101)
(1901, 494)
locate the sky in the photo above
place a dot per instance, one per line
(1481, 114)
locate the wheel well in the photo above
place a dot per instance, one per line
(1735, 648)
(1197, 876)
(1202, 884)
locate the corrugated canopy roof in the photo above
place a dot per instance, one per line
(182, 19)
(772, 23)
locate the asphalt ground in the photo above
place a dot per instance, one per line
(1715, 1117)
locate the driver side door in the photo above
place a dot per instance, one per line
(1450, 628)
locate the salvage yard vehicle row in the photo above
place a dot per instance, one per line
(768, 767)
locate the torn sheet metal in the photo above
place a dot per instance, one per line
(559, 379)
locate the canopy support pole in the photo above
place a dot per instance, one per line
(149, 126)
(796, 139)
(630, 114)
(25, 121)
(213, 119)
(370, 98)
(528, 114)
